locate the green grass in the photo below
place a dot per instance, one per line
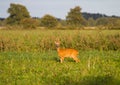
(29, 57)
(44, 68)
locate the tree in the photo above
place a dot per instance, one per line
(48, 21)
(17, 13)
(75, 17)
(108, 23)
(91, 22)
(102, 21)
(113, 23)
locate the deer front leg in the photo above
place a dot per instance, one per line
(76, 59)
(61, 59)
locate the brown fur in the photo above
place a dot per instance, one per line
(63, 53)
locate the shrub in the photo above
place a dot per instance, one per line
(29, 23)
(49, 21)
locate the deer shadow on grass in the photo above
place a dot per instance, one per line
(100, 80)
(65, 60)
(90, 80)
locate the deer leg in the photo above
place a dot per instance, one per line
(76, 59)
(61, 59)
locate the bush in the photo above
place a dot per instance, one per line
(29, 23)
(49, 21)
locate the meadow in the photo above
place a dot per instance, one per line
(29, 57)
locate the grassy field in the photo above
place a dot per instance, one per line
(43, 40)
(30, 57)
(26, 68)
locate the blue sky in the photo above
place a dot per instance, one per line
(60, 8)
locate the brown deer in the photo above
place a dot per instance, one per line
(63, 53)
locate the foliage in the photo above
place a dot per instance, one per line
(43, 68)
(75, 17)
(91, 22)
(29, 23)
(109, 23)
(94, 15)
(49, 21)
(20, 18)
(17, 13)
(2, 23)
(43, 40)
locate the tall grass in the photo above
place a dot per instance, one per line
(42, 40)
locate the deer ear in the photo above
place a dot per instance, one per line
(55, 42)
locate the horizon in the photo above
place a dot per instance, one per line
(60, 9)
(81, 12)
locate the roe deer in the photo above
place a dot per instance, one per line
(62, 53)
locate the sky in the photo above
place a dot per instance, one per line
(60, 8)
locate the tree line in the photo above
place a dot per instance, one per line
(20, 18)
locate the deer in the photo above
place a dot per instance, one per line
(66, 52)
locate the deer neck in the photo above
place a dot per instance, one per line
(58, 48)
